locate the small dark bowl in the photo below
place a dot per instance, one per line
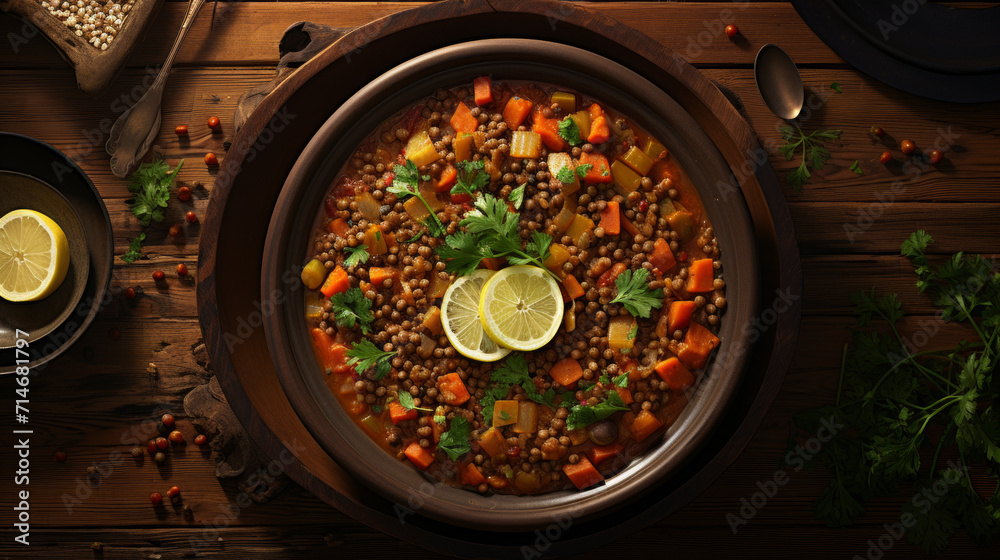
(314, 173)
(38, 177)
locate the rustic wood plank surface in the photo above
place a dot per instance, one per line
(99, 395)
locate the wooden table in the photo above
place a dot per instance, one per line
(100, 390)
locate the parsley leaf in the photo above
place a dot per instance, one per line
(150, 184)
(583, 415)
(566, 175)
(856, 168)
(635, 295)
(406, 401)
(352, 307)
(134, 249)
(406, 183)
(455, 442)
(471, 178)
(365, 355)
(621, 380)
(570, 132)
(356, 255)
(517, 197)
(514, 371)
(813, 152)
(583, 169)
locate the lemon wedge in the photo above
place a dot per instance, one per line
(34, 256)
(521, 307)
(460, 318)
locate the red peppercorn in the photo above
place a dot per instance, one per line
(191, 217)
(935, 157)
(176, 437)
(886, 157)
(173, 492)
(151, 447)
(184, 194)
(114, 334)
(732, 30)
(162, 443)
(907, 147)
(175, 230)
(514, 451)
(682, 256)
(168, 420)
(643, 205)
(158, 275)
(214, 123)
(877, 131)
(130, 292)
(156, 498)
(200, 439)
(182, 269)
(181, 130)
(60, 456)
(210, 159)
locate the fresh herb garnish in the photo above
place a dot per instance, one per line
(570, 132)
(835, 86)
(151, 186)
(514, 371)
(416, 237)
(455, 442)
(134, 249)
(566, 175)
(582, 170)
(813, 151)
(584, 415)
(471, 178)
(856, 168)
(621, 380)
(897, 399)
(633, 332)
(434, 226)
(377, 409)
(440, 419)
(635, 295)
(491, 231)
(504, 416)
(517, 197)
(604, 171)
(356, 255)
(406, 183)
(365, 355)
(351, 308)
(406, 401)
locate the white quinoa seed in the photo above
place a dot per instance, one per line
(97, 20)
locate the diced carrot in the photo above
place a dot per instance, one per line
(700, 276)
(492, 263)
(679, 316)
(516, 110)
(335, 282)
(644, 426)
(674, 373)
(625, 394)
(628, 225)
(397, 413)
(332, 354)
(452, 389)
(548, 129)
(462, 120)
(493, 442)
(600, 453)
(459, 198)
(356, 408)
(567, 372)
(449, 176)
(375, 240)
(338, 226)
(662, 257)
(573, 288)
(472, 476)
(379, 274)
(611, 219)
(698, 343)
(505, 412)
(419, 456)
(600, 170)
(582, 474)
(483, 88)
(609, 276)
(599, 132)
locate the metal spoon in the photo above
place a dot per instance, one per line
(135, 129)
(779, 82)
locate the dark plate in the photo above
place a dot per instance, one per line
(948, 53)
(60, 186)
(317, 168)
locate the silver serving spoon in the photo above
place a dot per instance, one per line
(135, 129)
(779, 82)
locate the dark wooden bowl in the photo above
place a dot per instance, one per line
(264, 151)
(57, 187)
(288, 243)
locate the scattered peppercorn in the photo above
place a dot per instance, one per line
(181, 130)
(168, 420)
(886, 157)
(935, 157)
(151, 447)
(182, 269)
(191, 217)
(175, 230)
(732, 30)
(184, 194)
(214, 123)
(877, 131)
(158, 275)
(176, 437)
(210, 159)
(156, 498)
(162, 443)
(130, 292)
(136, 452)
(60, 456)
(159, 457)
(173, 492)
(907, 147)
(200, 439)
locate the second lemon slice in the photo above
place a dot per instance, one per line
(34, 256)
(460, 318)
(521, 307)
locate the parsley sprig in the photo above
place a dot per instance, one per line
(513, 371)
(894, 401)
(365, 355)
(491, 231)
(134, 249)
(351, 308)
(570, 132)
(471, 178)
(455, 442)
(406, 401)
(356, 255)
(150, 184)
(582, 415)
(406, 183)
(565, 174)
(635, 295)
(814, 153)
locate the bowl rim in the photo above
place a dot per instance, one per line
(399, 481)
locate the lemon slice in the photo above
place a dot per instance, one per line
(460, 317)
(34, 256)
(521, 307)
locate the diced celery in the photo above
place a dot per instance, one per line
(654, 149)
(637, 160)
(626, 180)
(579, 229)
(682, 222)
(525, 144)
(565, 100)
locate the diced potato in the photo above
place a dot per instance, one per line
(578, 436)
(504, 413)
(637, 160)
(416, 209)
(525, 144)
(369, 207)
(527, 418)
(375, 240)
(432, 320)
(565, 101)
(558, 254)
(557, 162)
(580, 228)
(654, 149)
(430, 195)
(565, 217)
(527, 481)
(626, 180)
(463, 146)
(438, 287)
(313, 274)
(493, 442)
(582, 120)
(420, 150)
(618, 332)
